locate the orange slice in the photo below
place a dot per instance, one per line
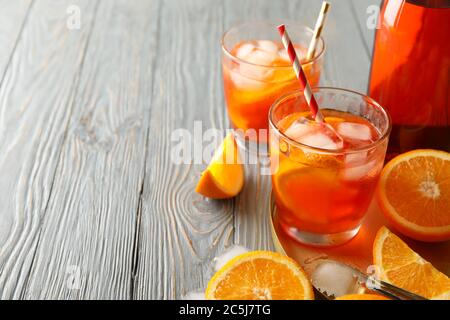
(224, 177)
(414, 194)
(401, 266)
(296, 186)
(260, 275)
(333, 119)
(361, 297)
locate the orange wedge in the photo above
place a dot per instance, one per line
(224, 177)
(260, 275)
(401, 266)
(295, 185)
(414, 194)
(361, 297)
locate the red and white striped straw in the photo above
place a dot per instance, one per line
(300, 74)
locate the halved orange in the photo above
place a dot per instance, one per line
(414, 194)
(364, 296)
(260, 275)
(403, 267)
(224, 177)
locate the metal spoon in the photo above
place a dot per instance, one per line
(334, 279)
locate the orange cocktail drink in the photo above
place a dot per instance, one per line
(324, 175)
(257, 70)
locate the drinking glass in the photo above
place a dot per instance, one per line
(257, 70)
(322, 194)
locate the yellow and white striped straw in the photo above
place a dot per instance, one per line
(317, 30)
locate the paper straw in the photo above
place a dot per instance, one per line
(300, 74)
(317, 30)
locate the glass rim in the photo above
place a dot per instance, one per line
(383, 135)
(316, 57)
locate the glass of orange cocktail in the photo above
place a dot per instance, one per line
(257, 70)
(325, 174)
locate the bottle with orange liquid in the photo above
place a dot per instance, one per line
(410, 73)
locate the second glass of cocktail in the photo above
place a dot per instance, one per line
(257, 70)
(325, 174)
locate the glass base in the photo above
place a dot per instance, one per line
(320, 240)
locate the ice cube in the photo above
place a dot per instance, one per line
(282, 53)
(258, 69)
(355, 131)
(301, 53)
(268, 46)
(314, 134)
(255, 72)
(244, 82)
(193, 295)
(321, 140)
(244, 50)
(298, 129)
(229, 254)
(355, 158)
(368, 169)
(334, 278)
(262, 58)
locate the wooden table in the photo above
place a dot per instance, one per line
(91, 205)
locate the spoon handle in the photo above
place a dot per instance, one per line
(391, 291)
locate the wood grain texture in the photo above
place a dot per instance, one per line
(347, 62)
(87, 118)
(13, 14)
(89, 226)
(11, 26)
(35, 105)
(362, 13)
(181, 231)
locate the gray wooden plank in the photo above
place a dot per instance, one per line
(180, 231)
(89, 227)
(347, 63)
(362, 11)
(252, 210)
(11, 26)
(35, 106)
(14, 14)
